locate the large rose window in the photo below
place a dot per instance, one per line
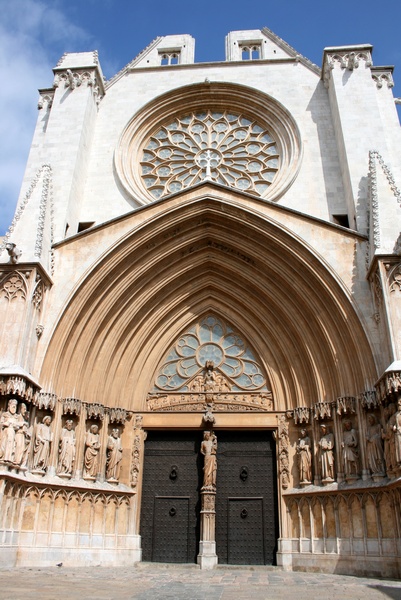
(221, 146)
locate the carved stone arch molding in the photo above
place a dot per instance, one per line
(208, 253)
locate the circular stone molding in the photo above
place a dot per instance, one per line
(228, 134)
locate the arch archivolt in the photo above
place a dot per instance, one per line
(208, 257)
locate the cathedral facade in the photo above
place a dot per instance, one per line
(200, 292)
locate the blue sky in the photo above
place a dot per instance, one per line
(35, 33)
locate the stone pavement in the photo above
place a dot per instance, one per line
(148, 581)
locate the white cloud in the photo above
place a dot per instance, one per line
(33, 35)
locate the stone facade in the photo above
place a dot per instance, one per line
(203, 246)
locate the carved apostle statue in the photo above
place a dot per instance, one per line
(326, 445)
(9, 425)
(304, 458)
(209, 449)
(374, 446)
(92, 447)
(350, 450)
(22, 437)
(114, 456)
(66, 453)
(397, 434)
(41, 449)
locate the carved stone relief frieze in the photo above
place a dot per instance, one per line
(14, 286)
(344, 60)
(283, 442)
(137, 451)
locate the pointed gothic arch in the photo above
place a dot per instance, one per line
(205, 252)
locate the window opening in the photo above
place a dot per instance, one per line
(82, 226)
(170, 58)
(341, 220)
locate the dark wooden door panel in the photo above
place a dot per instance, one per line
(246, 469)
(172, 470)
(245, 531)
(171, 530)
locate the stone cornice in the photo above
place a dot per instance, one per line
(346, 57)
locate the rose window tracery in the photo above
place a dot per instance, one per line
(222, 146)
(213, 341)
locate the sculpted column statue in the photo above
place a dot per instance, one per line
(350, 451)
(374, 448)
(9, 425)
(326, 445)
(397, 435)
(207, 557)
(114, 456)
(304, 459)
(41, 450)
(391, 428)
(66, 450)
(92, 447)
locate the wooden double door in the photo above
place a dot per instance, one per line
(246, 498)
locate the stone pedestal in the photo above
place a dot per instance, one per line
(207, 557)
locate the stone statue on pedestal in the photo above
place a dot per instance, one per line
(304, 458)
(114, 456)
(66, 450)
(326, 445)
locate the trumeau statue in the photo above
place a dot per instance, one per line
(350, 450)
(66, 450)
(41, 449)
(326, 445)
(304, 458)
(374, 446)
(92, 447)
(209, 449)
(114, 456)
